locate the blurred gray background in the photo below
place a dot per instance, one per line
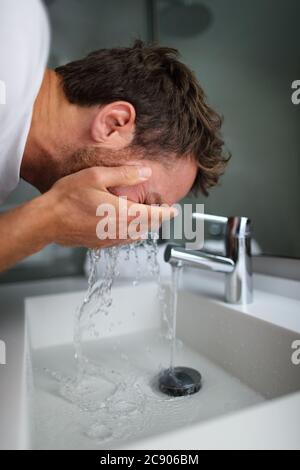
(246, 55)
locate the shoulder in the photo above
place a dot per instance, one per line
(24, 46)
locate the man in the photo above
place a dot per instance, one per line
(122, 122)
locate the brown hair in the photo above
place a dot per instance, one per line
(173, 116)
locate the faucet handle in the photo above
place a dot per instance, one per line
(239, 283)
(239, 227)
(236, 227)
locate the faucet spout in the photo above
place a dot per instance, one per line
(237, 265)
(180, 256)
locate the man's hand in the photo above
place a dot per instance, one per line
(67, 214)
(75, 200)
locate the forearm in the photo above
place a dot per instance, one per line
(25, 231)
(67, 214)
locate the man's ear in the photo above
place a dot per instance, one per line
(113, 125)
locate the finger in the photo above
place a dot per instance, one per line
(117, 242)
(121, 176)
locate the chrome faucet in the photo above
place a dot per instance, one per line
(236, 265)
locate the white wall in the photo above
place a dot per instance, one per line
(246, 62)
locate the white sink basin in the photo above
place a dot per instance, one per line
(245, 363)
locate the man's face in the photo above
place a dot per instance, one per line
(167, 185)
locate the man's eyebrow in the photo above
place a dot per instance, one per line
(154, 199)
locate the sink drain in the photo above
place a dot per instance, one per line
(180, 381)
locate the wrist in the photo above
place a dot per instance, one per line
(44, 215)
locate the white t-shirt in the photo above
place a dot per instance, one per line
(24, 49)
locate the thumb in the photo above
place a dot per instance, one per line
(110, 177)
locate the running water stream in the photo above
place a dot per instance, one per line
(176, 272)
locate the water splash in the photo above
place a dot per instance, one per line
(98, 300)
(124, 396)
